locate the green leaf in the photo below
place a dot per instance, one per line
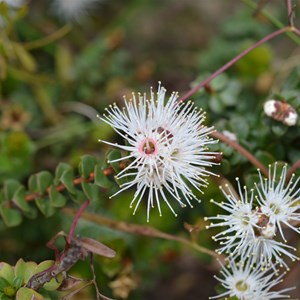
(19, 199)
(216, 105)
(44, 180)
(25, 270)
(64, 63)
(7, 272)
(264, 157)
(59, 171)
(28, 294)
(32, 184)
(10, 186)
(67, 178)
(91, 191)
(10, 217)
(26, 59)
(226, 149)
(56, 198)
(43, 266)
(236, 158)
(219, 82)
(114, 155)
(54, 283)
(225, 166)
(20, 269)
(3, 283)
(279, 129)
(31, 214)
(250, 179)
(240, 126)
(78, 197)
(17, 282)
(86, 166)
(100, 179)
(44, 206)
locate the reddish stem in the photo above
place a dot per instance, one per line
(84, 205)
(242, 150)
(292, 170)
(290, 12)
(59, 188)
(234, 60)
(295, 30)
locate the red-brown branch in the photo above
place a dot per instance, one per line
(241, 150)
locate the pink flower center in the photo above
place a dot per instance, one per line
(148, 146)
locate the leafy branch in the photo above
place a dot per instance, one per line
(50, 192)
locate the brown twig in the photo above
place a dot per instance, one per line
(290, 12)
(242, 150)
(140, 230)
(234, 60)
(76, 218)
(295, 30)
(59, 188)
(292, 170)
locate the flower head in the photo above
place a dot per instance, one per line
(240, 221)
(245, 282)
(266, 251)
(167, 145)
(280, 203)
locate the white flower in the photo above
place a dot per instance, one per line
(245, 282)
(167, 146)
(266, 251)
(240, 221)
(280, 203)
(73, 9)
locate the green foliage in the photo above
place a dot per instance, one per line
(13, 280)
(50, 192)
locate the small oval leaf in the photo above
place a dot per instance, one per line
(28, 294)
(91, 191)
(100, 179)
(44, 180)
(86, 166)
(56, 198)
(67, 179)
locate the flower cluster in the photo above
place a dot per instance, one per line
(167, 145)
(252, 229)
